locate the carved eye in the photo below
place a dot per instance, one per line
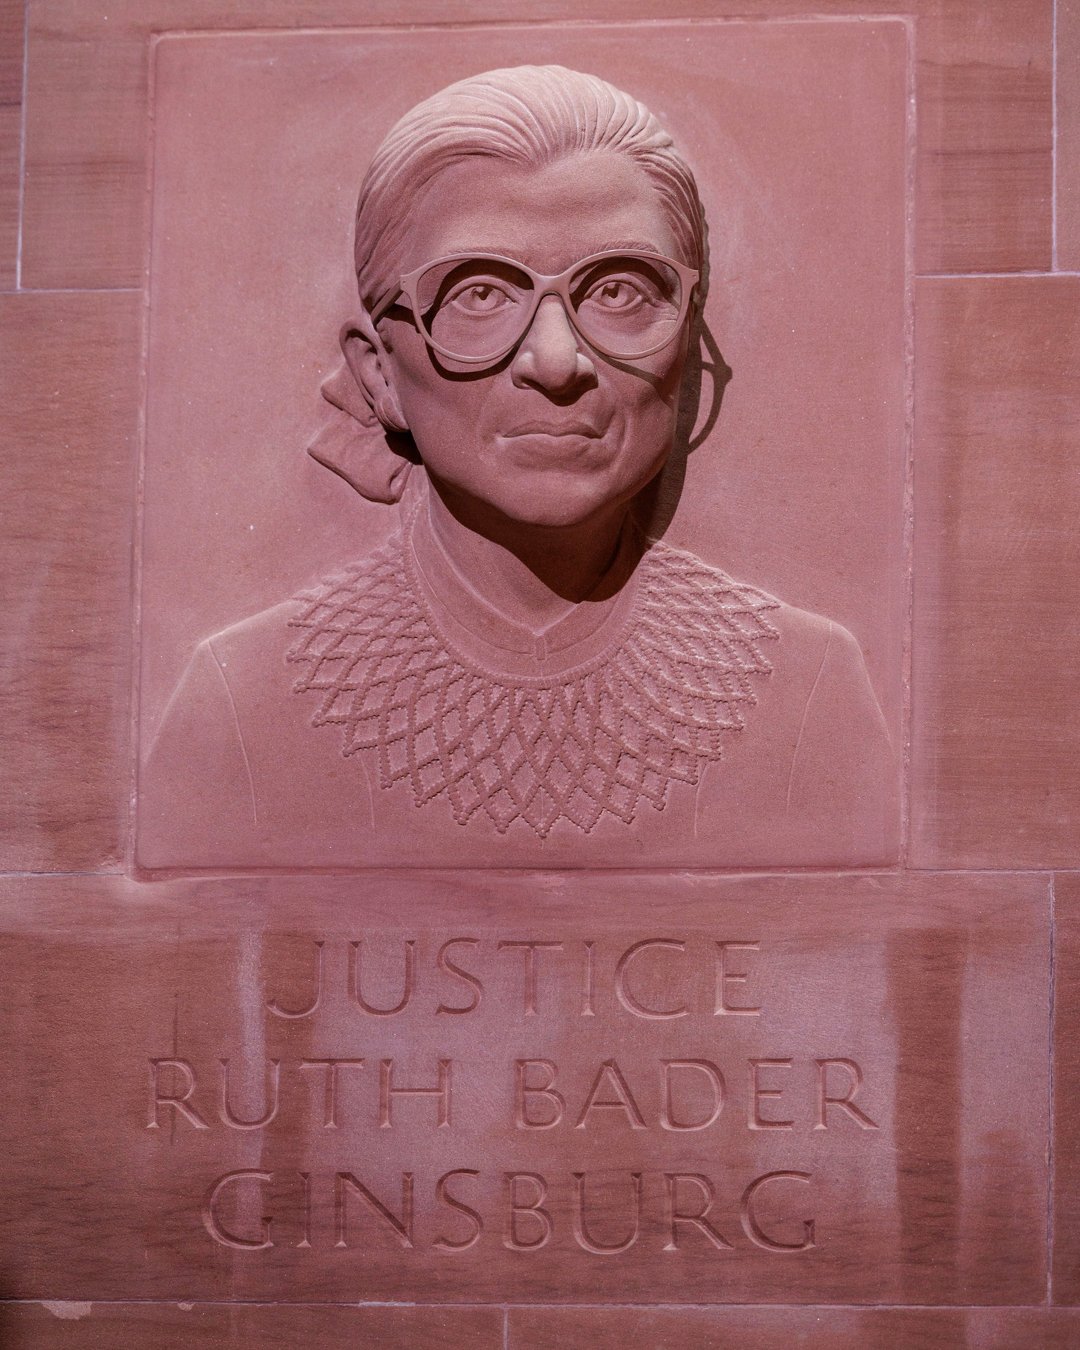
(617, 293)
(480, 298)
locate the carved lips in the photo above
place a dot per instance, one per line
(546, 442)
(577, 427)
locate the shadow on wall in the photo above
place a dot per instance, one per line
(706, 365)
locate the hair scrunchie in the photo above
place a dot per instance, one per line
(356, 446)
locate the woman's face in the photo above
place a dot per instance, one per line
(555, 434)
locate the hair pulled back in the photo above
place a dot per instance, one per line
(527, 115)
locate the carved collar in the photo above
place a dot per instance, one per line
(616, 702)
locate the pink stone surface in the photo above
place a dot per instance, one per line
(69, 418)
(59, 1325)
(985, 96)
(797, 229)
(890, 1091)
(73, 1325)
(936, 986)
(1067, 49)
(995, 730)
(806, 1328)
(11, 81)
(985, 161)
(1066, 1145)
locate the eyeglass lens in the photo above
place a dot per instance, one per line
(479, 307)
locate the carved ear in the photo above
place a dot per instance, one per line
(369, 365)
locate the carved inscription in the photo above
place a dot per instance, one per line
(525, 1222)
(537, 1101)
(725, 962)
(726, 1084)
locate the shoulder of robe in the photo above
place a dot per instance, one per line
(267, 634)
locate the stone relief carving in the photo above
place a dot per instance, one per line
(525, 673)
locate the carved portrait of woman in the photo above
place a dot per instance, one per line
(525, 674)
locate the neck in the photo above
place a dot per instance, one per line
(533, 574)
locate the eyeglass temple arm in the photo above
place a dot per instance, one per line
(386, 301)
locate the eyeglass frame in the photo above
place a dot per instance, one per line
(558, 285)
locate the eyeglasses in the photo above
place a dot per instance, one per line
(476, 308)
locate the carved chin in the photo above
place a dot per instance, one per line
(549, 503)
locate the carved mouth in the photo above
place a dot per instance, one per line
(555, 429)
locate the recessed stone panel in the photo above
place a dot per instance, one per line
(327, 681)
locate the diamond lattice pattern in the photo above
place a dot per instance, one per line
(601, 739)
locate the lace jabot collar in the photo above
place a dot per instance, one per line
(643, 700)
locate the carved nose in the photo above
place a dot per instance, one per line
(549, 356)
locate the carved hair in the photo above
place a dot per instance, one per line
(530, 115)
